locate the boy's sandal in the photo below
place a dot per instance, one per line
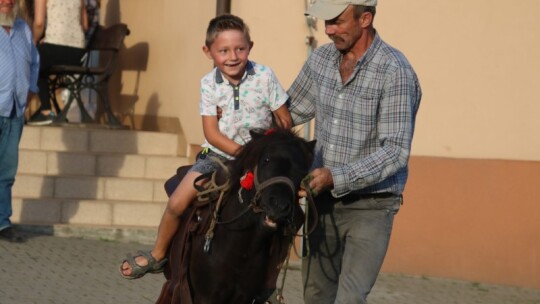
(137, 270)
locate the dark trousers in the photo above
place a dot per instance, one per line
(53, 54)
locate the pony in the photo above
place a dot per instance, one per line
(232, 243)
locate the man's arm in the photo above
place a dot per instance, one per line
(34, 68)
(395, 128)
(302, 96)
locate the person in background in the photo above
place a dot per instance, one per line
(249, 96)
(19, 67)
(59, 32)
(92, 9)
(26, 11)
(364, 96)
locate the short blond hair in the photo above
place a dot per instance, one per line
(224, 23)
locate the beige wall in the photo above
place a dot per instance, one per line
(477, 220)
(477, 62)
(478, 65)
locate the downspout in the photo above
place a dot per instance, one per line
(223, 7)
(311, 44)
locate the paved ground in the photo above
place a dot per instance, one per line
(57, 270)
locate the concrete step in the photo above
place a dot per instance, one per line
(105, 213)
(54, 138)
(89, 188)
(93, 177)
(98, 164)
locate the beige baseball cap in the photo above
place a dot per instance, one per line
(330, 9)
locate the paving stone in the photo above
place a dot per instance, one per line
(51, 269)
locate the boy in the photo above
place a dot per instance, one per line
(247, 94)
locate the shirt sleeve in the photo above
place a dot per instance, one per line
(34, 69)
(302, 94)
(276, 94)
(395, 125)
(207, 105)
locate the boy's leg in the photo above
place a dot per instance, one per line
(180, 199)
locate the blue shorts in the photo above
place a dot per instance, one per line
(206, 164)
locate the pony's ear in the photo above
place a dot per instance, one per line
(311, 145)
(256, 134)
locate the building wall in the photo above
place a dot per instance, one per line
(471, 206)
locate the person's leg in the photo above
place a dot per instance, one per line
(323, 249)
(367, 235)
(10, 135)
(51, 54)
(180, 199)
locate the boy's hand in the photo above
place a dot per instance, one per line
(282, 117)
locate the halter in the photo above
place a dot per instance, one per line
(212, 187)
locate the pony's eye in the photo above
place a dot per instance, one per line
(267, 160)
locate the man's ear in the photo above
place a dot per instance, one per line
(206, 51)
(366, 19)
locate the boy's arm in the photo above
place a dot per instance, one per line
(216, 138)
(282, 117)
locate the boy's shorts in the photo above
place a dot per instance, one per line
(206, 164)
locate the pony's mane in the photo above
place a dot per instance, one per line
(251, 152)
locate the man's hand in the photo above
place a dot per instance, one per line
(319, 179)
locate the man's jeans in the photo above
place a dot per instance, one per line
(347, 248)
(10, 135)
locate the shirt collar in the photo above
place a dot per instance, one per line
(250, 70)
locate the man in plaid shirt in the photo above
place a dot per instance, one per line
(364, 96)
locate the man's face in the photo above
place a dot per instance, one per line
(344, 30)
(8, 12)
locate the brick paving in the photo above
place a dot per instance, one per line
(56, 270)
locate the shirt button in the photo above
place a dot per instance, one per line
(336, 121)
(340, 96)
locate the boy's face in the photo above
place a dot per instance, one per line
(230, 51)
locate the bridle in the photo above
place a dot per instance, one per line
(208, 193)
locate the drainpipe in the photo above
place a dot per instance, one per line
(223, 7)
(311, 43)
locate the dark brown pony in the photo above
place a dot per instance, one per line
(238, 260)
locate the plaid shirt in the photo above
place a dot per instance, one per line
(364, 127)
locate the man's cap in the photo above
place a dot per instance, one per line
(330, 9)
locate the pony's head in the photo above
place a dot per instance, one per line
(278, 159)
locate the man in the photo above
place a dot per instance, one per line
(364, 96)
(19, 67)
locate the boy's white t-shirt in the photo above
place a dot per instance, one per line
(258, 94)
